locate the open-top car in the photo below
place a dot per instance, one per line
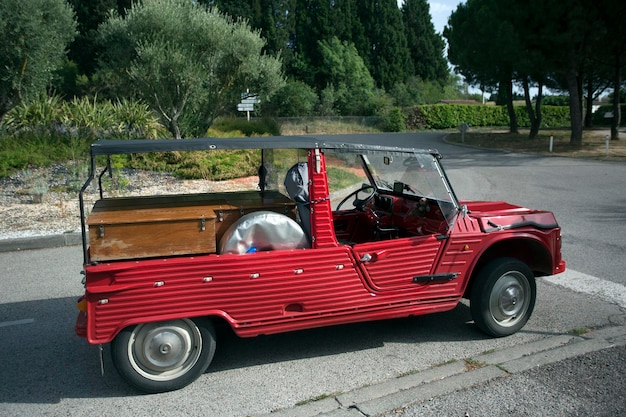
(334, 232)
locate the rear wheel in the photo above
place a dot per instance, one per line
(164, 356)
(503, 297)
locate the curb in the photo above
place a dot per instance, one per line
(411, 389)
(40, 242)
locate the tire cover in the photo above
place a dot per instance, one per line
(263, 231)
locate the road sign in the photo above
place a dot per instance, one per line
(251, 100)
(245, 107)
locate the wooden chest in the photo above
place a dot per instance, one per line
(144, 227)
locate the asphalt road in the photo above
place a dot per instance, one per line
(46, 370)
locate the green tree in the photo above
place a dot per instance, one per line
(425, 45)
(349, 77)
(189, 63)
(564, 35)
(612, 51)
(484, 47)
(35, 35)
(385, 54)
(274, 18)
(295, 99)
(89, 15)
(314, 23)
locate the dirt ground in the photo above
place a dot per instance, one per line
(594, 144)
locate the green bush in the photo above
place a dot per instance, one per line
(393, 121)
(449, 116)
(599, 116)
(257, 127)
(38, 149)
(49, 130)
(86, 118)
(296, 99)
(215, 165)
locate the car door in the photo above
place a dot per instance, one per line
(399, 263)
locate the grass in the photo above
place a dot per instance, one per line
(471, 364)
(41, 150)
(324, 127)
(593, 145)
(579, 331)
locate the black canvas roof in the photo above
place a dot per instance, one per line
(346, 142)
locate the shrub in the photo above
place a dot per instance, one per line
(393, 121)
(449, 116)
(86, 118)
(600, 116)
(296, 99)
(257, 127)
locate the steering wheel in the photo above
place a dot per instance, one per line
(358, 202)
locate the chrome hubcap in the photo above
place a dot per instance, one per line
(165, 350)
(509, 299)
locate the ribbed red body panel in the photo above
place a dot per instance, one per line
(260, 293)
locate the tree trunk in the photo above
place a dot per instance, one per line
(533, 115)
(589, 102)
(534, 131)
(575, 111)
(513, 127)
(617, 83)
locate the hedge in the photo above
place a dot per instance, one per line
(600, 119)
(447, 116)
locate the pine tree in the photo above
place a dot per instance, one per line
(386, 53)
(314, 23)
(425, 45)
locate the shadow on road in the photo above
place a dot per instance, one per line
(43, 361)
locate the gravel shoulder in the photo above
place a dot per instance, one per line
(24, 215)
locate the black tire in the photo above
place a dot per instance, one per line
(164, 356)
(503, 297)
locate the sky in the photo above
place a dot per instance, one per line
(440, 10)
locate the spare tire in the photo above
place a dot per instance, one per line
(263, 231)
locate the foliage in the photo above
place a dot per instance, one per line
(90, 14)
(188, 73)
(601, 118)
(37, 149)
(214, 166)
(341, 178)
(217, 165)
(450, 116)
(34, 36)
(556, 101)
(425, 45)
(294, 99)
(385, 51)
(394, 121)
(48, 130)
(270, 17)
(257, 127)
(84, 118)
(352, 83)
(565, 45)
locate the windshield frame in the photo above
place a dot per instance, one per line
(418, 175)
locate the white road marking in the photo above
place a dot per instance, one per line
(16, 322)
(588, 284)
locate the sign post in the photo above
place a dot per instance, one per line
(248, 100)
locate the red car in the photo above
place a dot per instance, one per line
(334, 233)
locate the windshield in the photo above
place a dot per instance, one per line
(410, 175)
(416, 174)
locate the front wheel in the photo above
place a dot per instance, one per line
(503, 297)
(163, 356)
